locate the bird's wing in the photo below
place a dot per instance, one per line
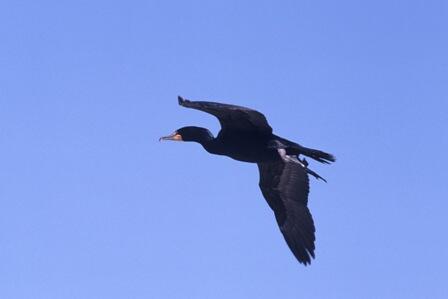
(231, 117)
(285, 186)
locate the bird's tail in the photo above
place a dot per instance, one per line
(317, 155)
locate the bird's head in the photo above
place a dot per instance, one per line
(195, 134)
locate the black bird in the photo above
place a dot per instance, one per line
(246, 136)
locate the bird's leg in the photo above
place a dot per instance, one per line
(304, 161)
(296, 159)
(315, 174)
(287, 158)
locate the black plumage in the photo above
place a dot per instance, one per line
(245, 135)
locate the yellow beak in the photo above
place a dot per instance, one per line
(174, 137)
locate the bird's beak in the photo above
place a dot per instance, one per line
(174, 137)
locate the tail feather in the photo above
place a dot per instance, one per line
(293, 148)
(317, 155)
(320, 156)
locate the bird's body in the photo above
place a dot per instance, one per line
(243, 147)
(246, 136)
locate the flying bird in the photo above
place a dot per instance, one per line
(246, 136)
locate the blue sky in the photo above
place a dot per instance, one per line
(93, 206)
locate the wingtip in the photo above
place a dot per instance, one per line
(181, 100)
(306, 262)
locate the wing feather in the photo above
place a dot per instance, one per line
(285, 186)
(232, 117)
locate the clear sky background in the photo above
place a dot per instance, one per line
(93, 206)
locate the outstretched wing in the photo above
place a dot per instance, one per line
(231, 117)
(285, 186)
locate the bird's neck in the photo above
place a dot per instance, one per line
(209, 144)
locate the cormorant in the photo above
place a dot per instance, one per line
(246, 136)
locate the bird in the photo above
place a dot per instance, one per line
(246, 136)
